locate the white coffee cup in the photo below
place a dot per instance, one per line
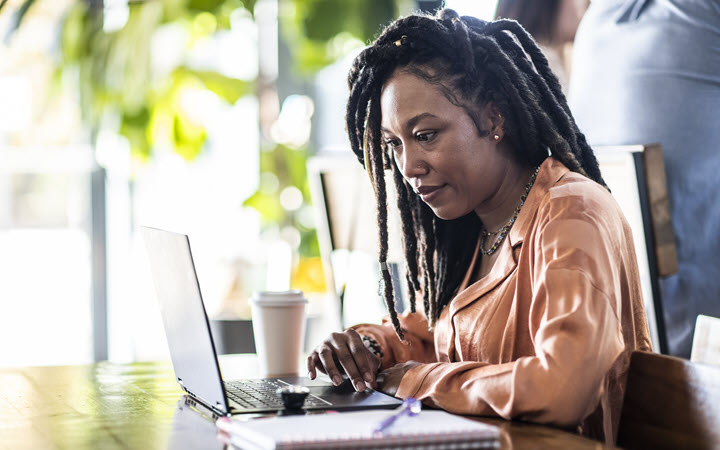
(278, 320)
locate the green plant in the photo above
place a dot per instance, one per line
(319, 32)
(116, 80)
(288, 165)
(120, 89)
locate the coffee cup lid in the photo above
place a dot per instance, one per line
(278, 298)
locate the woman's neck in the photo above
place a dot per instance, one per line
(504, 203)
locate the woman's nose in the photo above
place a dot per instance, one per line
(413, 163)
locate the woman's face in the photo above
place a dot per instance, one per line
(438, 148)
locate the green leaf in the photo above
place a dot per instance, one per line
(371, 20)
(188, 137)
(325, 18)
(269, 207)
(229, 89)
(309, 246)
(134, 128)
(204, 5)
(316, 23)
(72, 43)
(250, 5)
(311, 56)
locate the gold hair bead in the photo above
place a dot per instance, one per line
(455, 20)
(400, 41)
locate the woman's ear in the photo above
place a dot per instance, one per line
(497, 122)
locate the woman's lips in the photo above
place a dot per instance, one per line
(427, 193)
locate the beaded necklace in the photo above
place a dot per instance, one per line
(502, 232)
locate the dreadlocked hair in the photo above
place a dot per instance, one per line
(472, 62)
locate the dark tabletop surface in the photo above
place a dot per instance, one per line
(140, 405)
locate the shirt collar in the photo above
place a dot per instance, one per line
(551, 171)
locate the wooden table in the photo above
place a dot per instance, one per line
(139, 405)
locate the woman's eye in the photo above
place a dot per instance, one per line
(393, 143)
(426, 137)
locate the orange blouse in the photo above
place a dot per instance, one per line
(546, 336)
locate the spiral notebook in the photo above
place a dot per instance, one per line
(430, 429)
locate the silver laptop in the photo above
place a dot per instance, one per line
(193, 352)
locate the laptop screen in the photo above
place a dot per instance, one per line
(186, 324)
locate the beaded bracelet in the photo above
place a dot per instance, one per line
(372, 345)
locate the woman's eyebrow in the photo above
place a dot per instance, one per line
(414, 120)
(411, 122)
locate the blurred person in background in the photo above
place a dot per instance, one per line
(648, 71)
(552, 23)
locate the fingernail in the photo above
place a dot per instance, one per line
(310, 375)
(360, 386)
(336, 380)
(368, 377)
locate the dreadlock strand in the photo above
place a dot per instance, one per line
(355, 129)
(517, 87)
(582, 150)
(558, 111)
(421, 257)
(378, 175)
(536, 55)
(408, 233)
(429, 264)
(519, 111)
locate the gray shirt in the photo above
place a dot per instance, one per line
(648, 71)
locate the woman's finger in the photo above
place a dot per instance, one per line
(316, 365)
(312, 362)
(366, 366)
(347, 359)
(327, 360)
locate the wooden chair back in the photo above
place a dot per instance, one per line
(636, 176)
(706, 341)
(670, 403)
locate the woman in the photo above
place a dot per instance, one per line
(524, 262)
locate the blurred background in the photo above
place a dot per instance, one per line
(194, 115)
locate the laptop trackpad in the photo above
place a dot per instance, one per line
(344, 395)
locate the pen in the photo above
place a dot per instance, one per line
(411, 407)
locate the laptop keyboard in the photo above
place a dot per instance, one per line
(261, 394)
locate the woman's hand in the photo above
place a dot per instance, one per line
(344, 352)
(388, 380)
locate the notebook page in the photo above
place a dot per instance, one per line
(430, 429)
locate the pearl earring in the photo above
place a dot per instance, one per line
(496, 137)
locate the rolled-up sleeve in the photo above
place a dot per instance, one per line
(560, 384)
(418, 345)
(576, 338)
